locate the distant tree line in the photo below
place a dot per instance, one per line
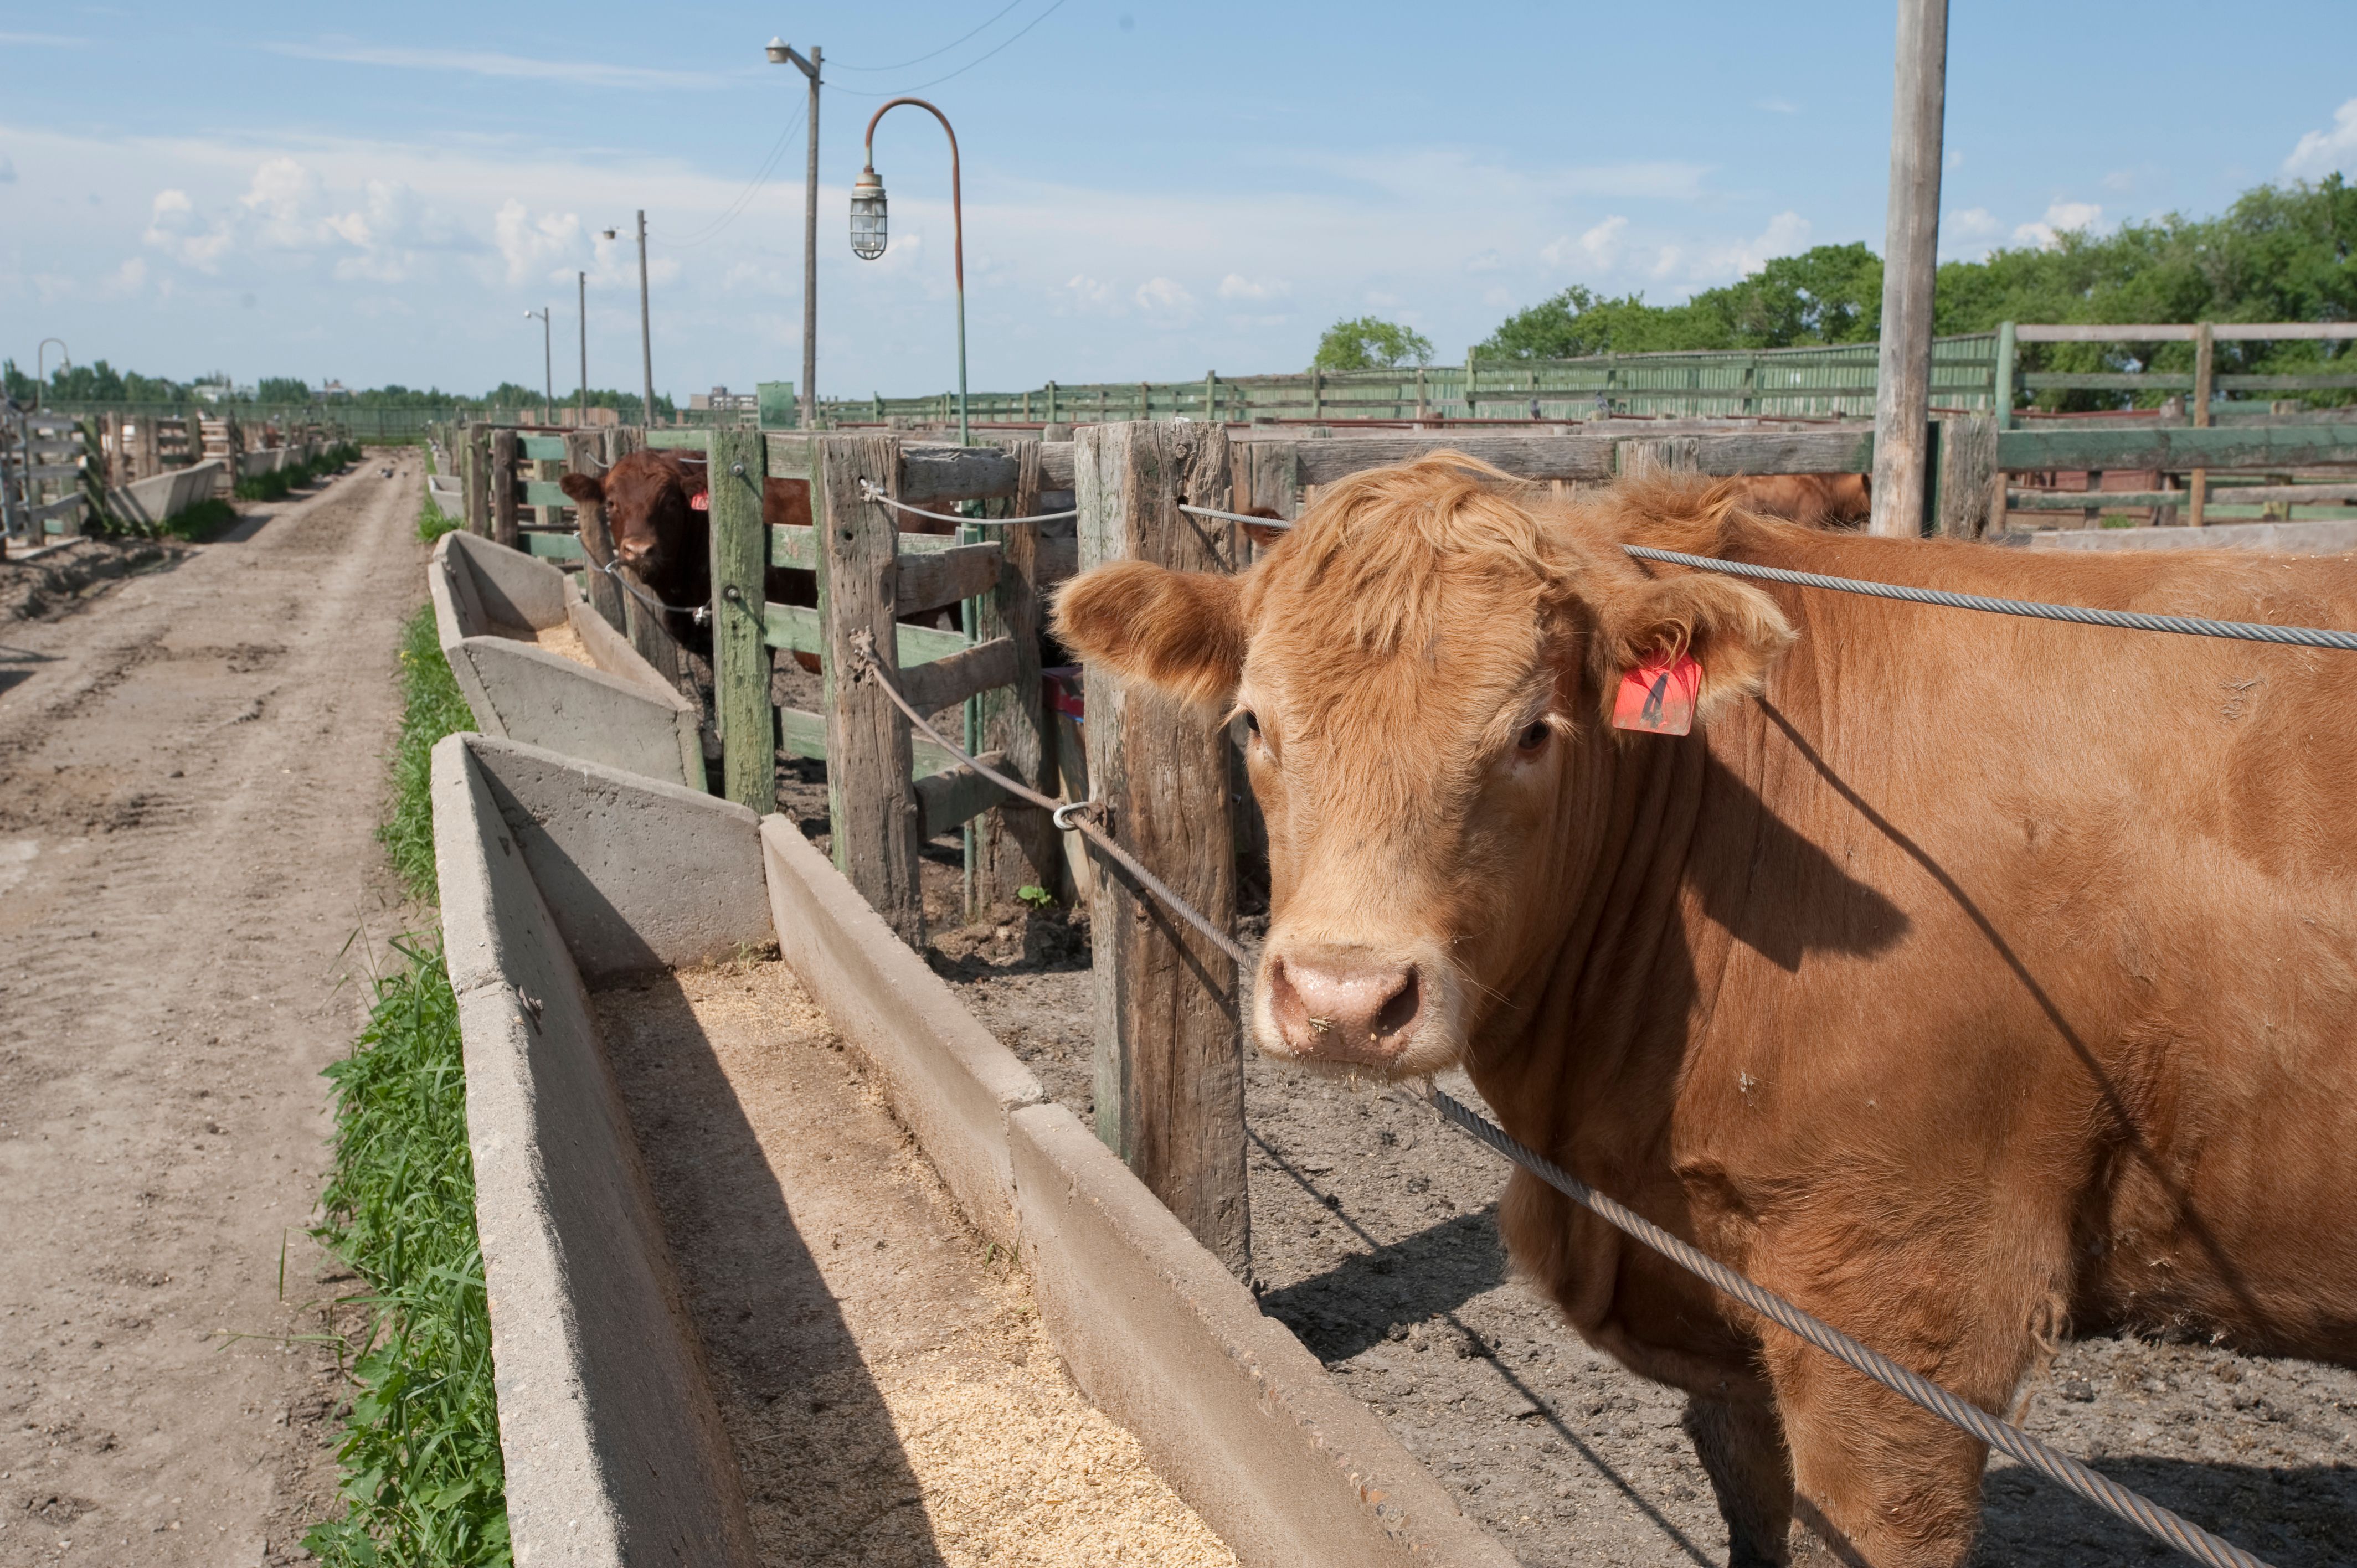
(2279, 253)
(99, 382)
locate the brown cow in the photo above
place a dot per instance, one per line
(665, 539)
(1814, 500)
(1967, 980)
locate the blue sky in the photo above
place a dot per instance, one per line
(1150, 191)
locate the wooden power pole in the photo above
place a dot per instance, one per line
(1902, 388)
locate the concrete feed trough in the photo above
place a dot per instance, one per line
(501, 615)
(564, 884)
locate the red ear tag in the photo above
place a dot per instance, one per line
(700, 501)
(1659, 698)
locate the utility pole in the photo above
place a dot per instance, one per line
(547, 366)
(583, 279)
(781, 54)
(1903, 387)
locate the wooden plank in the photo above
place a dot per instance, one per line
(585, 453)
(1016, 846)
(2183, 332)
(1060, 559)
(803, 734)
(1785, 452)
(741, 710)
(503, 487)
(792, 544)
(547, 494)
(1967, 477)
(937, 683)
(788, 455)
(546, 547)
(1170, 1049)
(2220, 495)
(933, 477)
(663, 438)
(1321, 462)
(798, 628)
(934, 578)
(876, 819)
(2177, 447)
(541, 448)
(949, 800)
(2106, 380)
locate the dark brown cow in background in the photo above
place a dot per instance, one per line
(1969, 980)
(663, 538)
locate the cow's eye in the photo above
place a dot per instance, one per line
(1251, 721)
(1533, 737)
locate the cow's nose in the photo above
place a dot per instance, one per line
(1344, 1009)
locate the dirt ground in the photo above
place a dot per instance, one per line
(891, 1396)
(190, 771)
(1374, 1239)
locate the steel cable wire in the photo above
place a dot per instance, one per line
(868, 492)
(2162, 1524)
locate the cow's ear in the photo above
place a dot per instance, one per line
(692, 480)
(1180, 631)
(1732, 630)
(586, 488)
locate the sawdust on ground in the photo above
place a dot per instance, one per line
(560, 639)
(882, 1370)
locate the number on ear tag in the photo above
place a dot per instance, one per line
(700, 501)
(1659, 698)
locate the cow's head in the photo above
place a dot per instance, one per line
(649, 500)
(1427, 670)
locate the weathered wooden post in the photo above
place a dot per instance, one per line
(1015, 846)
(585, 453)
(1169, 1044)
(1902, 390)
(503, 487)
(2002, 396)
(740, 658)
(877, 821)
(478, 463)
(1968, 455)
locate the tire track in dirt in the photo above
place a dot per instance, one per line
(190, 775)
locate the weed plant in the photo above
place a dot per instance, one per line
(200, 521)
(424, 1481)
(432, 707)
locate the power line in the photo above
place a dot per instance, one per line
(735, 208)
(968, 65)
(942, 51)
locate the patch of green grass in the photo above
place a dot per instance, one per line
(432, 524)
(277, 484)
(432, 707)
(424, 1478)
(200, 521)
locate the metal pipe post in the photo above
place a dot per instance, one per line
(646, 340)
(583, 279)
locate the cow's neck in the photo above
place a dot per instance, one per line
(1602, 1015)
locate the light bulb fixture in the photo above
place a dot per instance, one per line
(867, 219)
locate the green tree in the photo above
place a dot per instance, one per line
(281, 389)
(1371, 343)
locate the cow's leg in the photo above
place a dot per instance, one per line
(1742, 1448)
(1877, 1481)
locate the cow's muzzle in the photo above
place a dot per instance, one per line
(1344, 1007)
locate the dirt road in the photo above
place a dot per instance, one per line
(189, 778)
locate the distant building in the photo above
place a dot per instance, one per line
(722, 400)
(333, 388)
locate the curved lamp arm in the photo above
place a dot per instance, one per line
(957, 210)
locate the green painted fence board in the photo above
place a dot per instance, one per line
(797, 629)
(541, 448)
(2177, 447)
(802, 734)
(551, 546)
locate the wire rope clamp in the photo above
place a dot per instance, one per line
(1062, 815)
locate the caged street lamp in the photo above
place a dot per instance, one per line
(547, 365)
(869, 229)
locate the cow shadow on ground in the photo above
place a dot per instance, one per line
(2291, 1515)
(825, 1479)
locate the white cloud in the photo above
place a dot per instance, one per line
(1089, 294)
(1972, 223)
(1161, 296)
(1236, 285)
(499, 67)
(1599, 246)
(174, 229)
(1787, 234)
(1487, 262)
(528, 246)
(1777, 106)
(1498, 296)
(2323, 152)
(1667, 261)
(2062, 217)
